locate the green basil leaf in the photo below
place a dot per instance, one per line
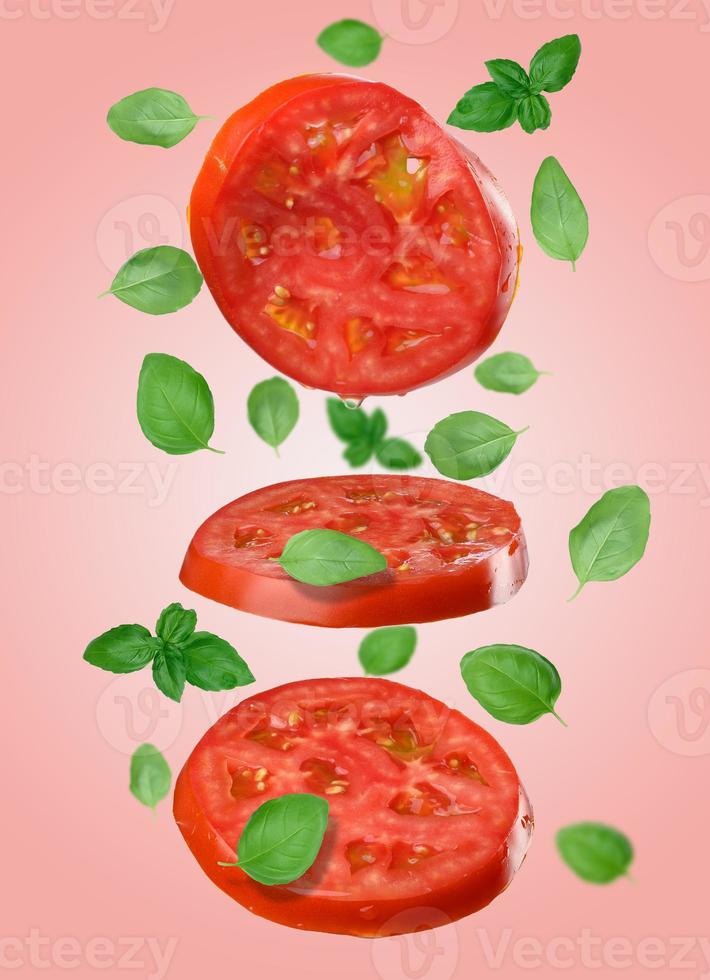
(385, 650)
(594, 851)
(324, 557)
(169, 672)
(553, 66)
(559, 219)
(534, 113)
(282, 838)
(150, 775)
(175, 624)
(398, 454)
(157, 280)
(611, 537)
(514, 684)
(358, 452)
(153, 116)
(272, 409)
(469, 444)
(347, 423)
(175, 405)
(351, 42)
(213, 664)
(507, 372)
(509, 76)
(485, 109)
(377, 426)
(122, 649)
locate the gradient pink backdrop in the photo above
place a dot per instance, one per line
(627, 340)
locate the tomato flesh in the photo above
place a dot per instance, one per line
(405, 832)
(451, 550)
(330, 203)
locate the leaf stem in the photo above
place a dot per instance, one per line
(561, 720)
(577, 591)
(220, 452)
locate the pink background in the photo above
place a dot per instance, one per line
(626, 337)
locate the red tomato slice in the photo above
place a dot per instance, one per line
(451, 550)
(426, 809)
(349, 240)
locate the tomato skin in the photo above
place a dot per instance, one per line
(206, 194)
(380, 600)
(319, 912)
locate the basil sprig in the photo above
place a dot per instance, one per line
(153, 116)
(365, 435)
(157, 280)
(559, 218)
(178, 654)
(175, 405)
(321, 556)
(611, 537)
(388, 649)
(351, 42)
(595, 852)
(517, 94)
(150, 775)
(514, 684)
(272, 410)
(282, 838)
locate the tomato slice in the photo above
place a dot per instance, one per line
(451, 550)
(349, 241)
(445, 826)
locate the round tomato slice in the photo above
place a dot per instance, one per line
(451, 550)
(349, 241)
(425, 808)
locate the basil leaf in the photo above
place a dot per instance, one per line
(347, 423)
(169, 672)
(509, 76)
(122, 649)
(324, 557)
(377, 427)
(272, 409)
(559, 219)
(358, 452)
(213, 664)
(485, 109)
(612, 536)
(507, 372)
(150, 775)
(176, 624)
(351, 42)
(514, 684)
(157, 280)
(385, 650)
(398, 454)
(554, 64)
(282, 838)
(175, 405)
(594, 851)
(153, 116)
(469, 444)
(534, 113)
